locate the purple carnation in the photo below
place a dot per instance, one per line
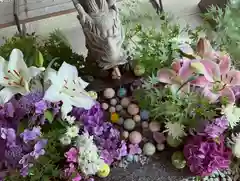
(31, 135)
(216, 127)
(106, 137)
(204, 155)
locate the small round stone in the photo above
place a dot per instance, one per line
(113, 102)
(122, 92)
(125, 134)
(149, 149)
(125, 102)
(144, 125)
(144, 115)
(133, 109)
(105, 105)
(109, 93)
(112, 109)
(135, 137)
(119, 107)
(120, 121)
(139, 70)
(129, 124)
(137, 118)
(130, 158)
(154, 126)
(160, 147)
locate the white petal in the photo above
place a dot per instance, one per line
(34, 71)
(7, 93)
(16, 63)
(82, 82)
(66, 108)
(67, 72)
(83, 101)
(52, 94)
(3, 67)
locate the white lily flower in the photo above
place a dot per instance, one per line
(15, 76)
(68, 88)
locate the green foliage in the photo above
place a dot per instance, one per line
(154, 49)
(165, 106)
(227, 29)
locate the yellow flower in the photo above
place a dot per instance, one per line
(104, 171)
(114, 117)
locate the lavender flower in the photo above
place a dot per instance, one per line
(134, 149)
(204, 155)
(39, 148)
(13, 155)
(30, 135)
(40, 107)
(9, 135)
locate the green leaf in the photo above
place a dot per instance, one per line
(48, 116)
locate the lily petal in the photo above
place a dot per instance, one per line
(213, 97)
(82, 83)
(166, 75)
(52, 94)
(213, 70)
(83, 101)
(8, 92)
(66, 108)
(200, 81)
(204, 48)
(34, 71)
(176, 65)
(229, 94)
(232, 78)
(16, 64)
(225, 63)
(67, 72)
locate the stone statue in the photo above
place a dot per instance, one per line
(103, 32)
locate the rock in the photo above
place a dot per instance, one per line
(159, 137)
(133, 109)
(149, 149)
(104, 171)
(105, 105)
(178, 160)
(135, 137)
(115, 117)
(119, 107)
(144, 115)
(173, 142)
(124, 114)
(120, 121)
(113, 102)
(135, 158)
(160, 147)
(139, 70)
(154, 126)
(109, 93)
(129, 124)
(137, 118)
(130, 158)
(125, 102)
(122, 92)
(125, 134)
(137, 84)
(145, 125)
(112, 109)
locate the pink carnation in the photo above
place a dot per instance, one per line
(71, 155)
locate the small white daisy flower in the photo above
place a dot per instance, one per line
(232, 113)
(72, 131)
(65, 140)
(70, 119)
(176, 130)
(236, 147)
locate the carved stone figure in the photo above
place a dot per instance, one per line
(103, 32)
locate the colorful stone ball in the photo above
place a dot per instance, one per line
(144, 115)
(135, 137)
(122, 92)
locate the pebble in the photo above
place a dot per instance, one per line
(112, 109)
(119, 107)
(139, 70)
(144, 115)
(133, 109)
(154, 126)
(130, 158)
(113, 102)
(129, 124)
(123, 113)
(136, 85)
(137, 118)
(135, 137)
(125, 102)
(105, 105)
(144, 125)
(160, 147)
(120, 121)
(125, 134)
(136, 158)
(122, 92)
(149, 149)
(109, 93)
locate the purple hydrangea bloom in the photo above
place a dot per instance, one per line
(106, 137)
(40, 107)
(205, 155)
(134, 149)
(9, 135)
(30, 135)
(216, 127)
(39, 148)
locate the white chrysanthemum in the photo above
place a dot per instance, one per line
(70, 119)
(65, 140)
(232, 113)
(89, 160)
(236, 147)
(176, 130)
(72, 131)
